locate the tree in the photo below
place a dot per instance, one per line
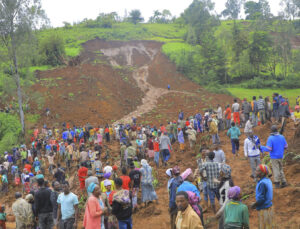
(233, 8)
(291, 8)
(161, 17)
(198, 15)
(239, 41)
(18, 18)
(259, 49)
(135, 16)
(53, 50)
(256, 10)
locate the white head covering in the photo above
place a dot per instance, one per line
(169, 172)
(107, 183)
(144, 162)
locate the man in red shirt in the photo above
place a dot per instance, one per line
(126, 179)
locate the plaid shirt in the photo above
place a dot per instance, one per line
(212, 171)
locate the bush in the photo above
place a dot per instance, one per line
(217, 89)
(290, 82)
(52, 48)
(10, 131)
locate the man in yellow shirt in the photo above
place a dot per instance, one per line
(186, 218)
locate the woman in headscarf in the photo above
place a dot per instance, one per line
(148, 192)
(236, 215)
(94, 212)
(110, 220)
(122, 206)
(106, 177)
(225, 184)
(187, 184)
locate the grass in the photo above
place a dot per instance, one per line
(78, 34)
(40, 68)
(242, 93)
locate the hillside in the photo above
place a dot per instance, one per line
(109, 80)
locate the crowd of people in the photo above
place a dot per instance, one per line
(117, 186)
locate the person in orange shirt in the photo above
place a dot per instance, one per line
(82, 175)
(228, 116)
(126, 179)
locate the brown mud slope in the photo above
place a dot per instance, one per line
(114, 81)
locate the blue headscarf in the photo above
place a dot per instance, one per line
(91, 187)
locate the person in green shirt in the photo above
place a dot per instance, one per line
(236, 215)
(23, 156)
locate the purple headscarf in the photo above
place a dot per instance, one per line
(107, 175)
(234, 192)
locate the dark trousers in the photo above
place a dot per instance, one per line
(67, 223)
(173, 214)
(46, 220)
(235, 143)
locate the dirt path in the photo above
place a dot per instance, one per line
(124, 54)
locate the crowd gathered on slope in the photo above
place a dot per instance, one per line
(113, 188)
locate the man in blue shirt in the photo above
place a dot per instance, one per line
(276, 145)
(264, 197)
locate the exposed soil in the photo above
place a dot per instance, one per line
(113, 81)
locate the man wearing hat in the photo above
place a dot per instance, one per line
(276, 145)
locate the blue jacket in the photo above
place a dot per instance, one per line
(188, 186)
(234, 132)
(264, 193)
(177, 181)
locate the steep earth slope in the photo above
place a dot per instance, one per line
(109, 80)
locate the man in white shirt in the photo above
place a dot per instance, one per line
(251, 151)
(219, 155)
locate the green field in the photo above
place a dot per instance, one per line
(242, 93)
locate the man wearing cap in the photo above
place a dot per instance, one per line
(264, 197)
(177, 181)
(89, 180)
(276, 145)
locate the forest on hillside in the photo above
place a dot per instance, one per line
(259, 51)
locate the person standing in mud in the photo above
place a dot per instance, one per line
(276, 145)
(264, 198)
(176, 182)
(165, 146)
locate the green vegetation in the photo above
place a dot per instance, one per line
(10, 131)
(78, 34)
(242, 93)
